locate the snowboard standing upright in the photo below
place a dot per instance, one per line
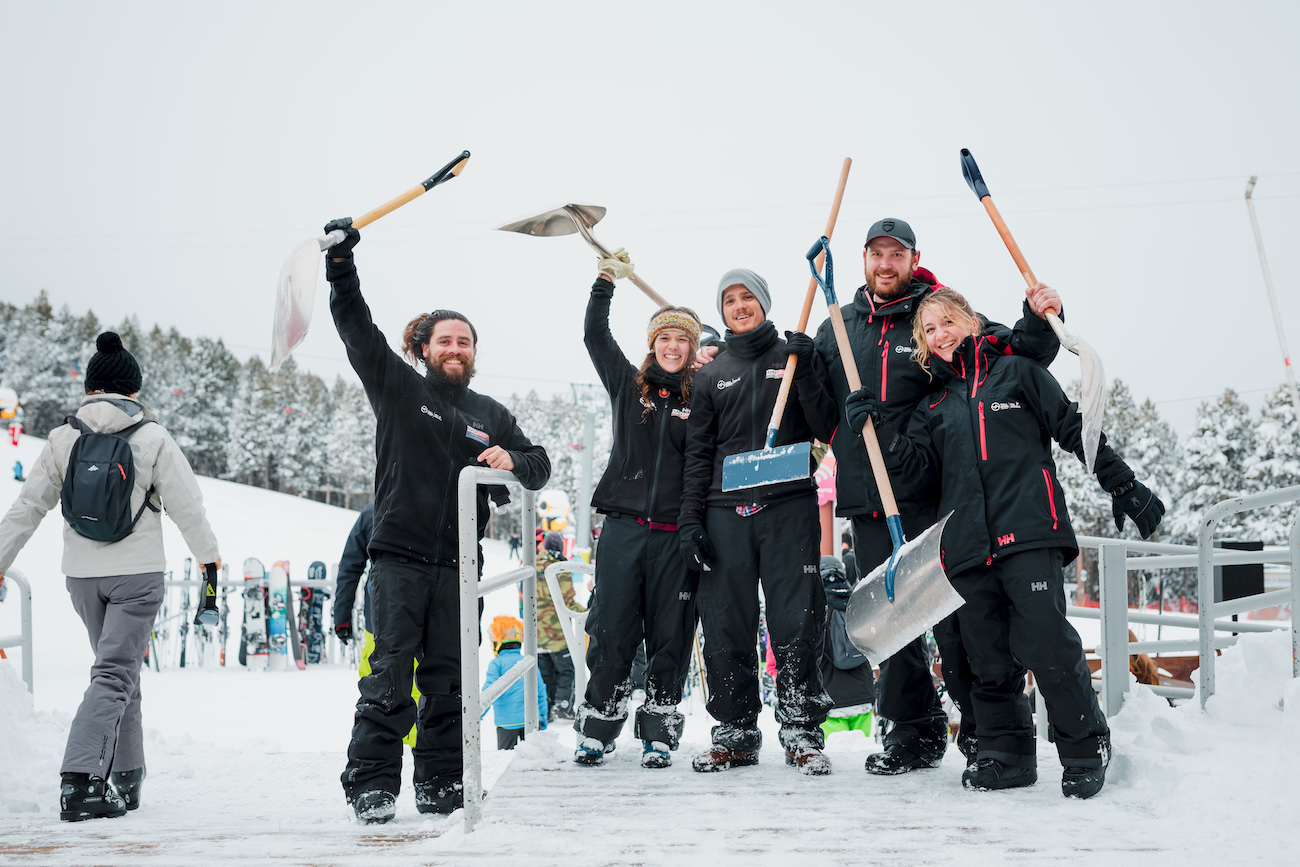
(252, 639)
(313, 613)
(277, 585)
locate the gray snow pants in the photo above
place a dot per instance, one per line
(118, 611)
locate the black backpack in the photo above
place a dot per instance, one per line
(98, 484)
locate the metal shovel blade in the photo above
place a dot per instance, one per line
(556, 222)
(1092, 398)
(294, 298)
(922, 597)
(767, 466)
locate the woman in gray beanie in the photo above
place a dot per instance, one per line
(116, 587)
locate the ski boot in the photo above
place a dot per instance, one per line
(986, 774)
(592, 751)
(82, 796)
(721, 758)
(1085, 782)
(655, 754)
(375, 807)
(899, 759)
(809, 760)
(127, 786)
(441, 795)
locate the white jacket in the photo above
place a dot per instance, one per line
(158, 463)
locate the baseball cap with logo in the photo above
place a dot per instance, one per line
(892, 228)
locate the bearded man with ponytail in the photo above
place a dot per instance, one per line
(429, 427)
(643, 589)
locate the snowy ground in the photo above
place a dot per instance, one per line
(243, 766)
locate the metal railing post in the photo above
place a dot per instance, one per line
(572, 623)
(1205, 603)
(529, 521)
(23, 639)
(1113, 585)
(1295, 598)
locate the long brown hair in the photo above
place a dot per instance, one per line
(420, 329)
(688, 369)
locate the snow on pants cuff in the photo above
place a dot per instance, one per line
(659, 726)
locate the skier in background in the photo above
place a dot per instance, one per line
(643, 589)
(18, 472)
(429, 427)
(508, 710)
(116, 587)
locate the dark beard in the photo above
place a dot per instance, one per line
(440, 376)
(905, 281)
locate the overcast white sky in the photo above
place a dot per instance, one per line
(162, 159)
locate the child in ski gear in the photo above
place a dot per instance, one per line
(768, 535)
(846, 673)
(429, 427)
(554, 660)
(18, 472)
(984, 441)
(508, 710)
(643, 590)
(879, 325)
(116, 587)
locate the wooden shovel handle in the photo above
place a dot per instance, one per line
(413, 193)
(1053, 317)
(869, 430)
(783, 394)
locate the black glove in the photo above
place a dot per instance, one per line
(696, 547)
(343, 248)
(343, 631)
(1138, 502)
(801, 345)
(859, 406)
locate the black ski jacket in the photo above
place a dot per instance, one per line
(352, 565)
(985, 438)
(644, 474)
(427, 433)
(731, 406)
(881, 337)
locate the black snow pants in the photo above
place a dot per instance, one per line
(778, 547)
(416, 609)
(906, 695)
(556, 668)
(1014, 618)
(643, 590)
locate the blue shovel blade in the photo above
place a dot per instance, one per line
(767, 466)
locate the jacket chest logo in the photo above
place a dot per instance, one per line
(430, 413)
(776, 373)
(682, 413)
(998, 406)
(474, 434)
(727, 383)
(903, 347)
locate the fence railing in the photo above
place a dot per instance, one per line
(472, 588)
(1214, 628)
(572, 623)
(23, 639)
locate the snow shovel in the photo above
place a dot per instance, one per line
(908, 593)
(1092, 378)
(296, 294)
(567, 219)
(772, 464)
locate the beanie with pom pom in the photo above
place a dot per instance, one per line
(112, 368)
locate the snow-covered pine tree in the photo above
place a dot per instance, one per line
(350, 445)
(1212, 469)
(249, 451)
(1273, 463)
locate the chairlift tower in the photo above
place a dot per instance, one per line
(1272, 297)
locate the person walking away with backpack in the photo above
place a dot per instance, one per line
(643, 589)
(984, 440)
(114, 467)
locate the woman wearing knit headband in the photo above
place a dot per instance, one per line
(643, 589)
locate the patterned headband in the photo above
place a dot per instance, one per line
(673, 319)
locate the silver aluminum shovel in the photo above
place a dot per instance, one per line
(1092, 378)
(296, 292)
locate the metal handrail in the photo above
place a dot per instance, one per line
(472, 699)
(23, 639)
(1113, 612)
(572, 623)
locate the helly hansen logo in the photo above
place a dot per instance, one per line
(811, 570)
(1038, 585)
(998, 406)
(430, 413)
(684, 595)
(727, 383)
(1007, 539)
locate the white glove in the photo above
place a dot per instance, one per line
(618, 265)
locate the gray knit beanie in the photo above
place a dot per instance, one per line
(751, 281)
